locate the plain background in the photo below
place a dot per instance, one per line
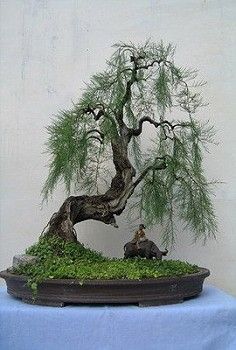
(49, 48)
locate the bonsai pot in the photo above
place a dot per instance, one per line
(145, 292)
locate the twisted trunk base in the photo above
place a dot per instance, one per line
(80, 208)
(101, 207)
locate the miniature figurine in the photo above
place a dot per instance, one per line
(142, 247)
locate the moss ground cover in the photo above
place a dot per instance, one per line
(60, 259)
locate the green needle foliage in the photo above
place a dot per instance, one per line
(79, 141)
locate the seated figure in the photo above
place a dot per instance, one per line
(142, 247)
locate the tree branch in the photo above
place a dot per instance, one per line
(92, 111)
(96, 138)
(138, 131)
(97, 131)
(127, 95)
(161, 166)
(150, 64)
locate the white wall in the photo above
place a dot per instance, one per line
(48, 48)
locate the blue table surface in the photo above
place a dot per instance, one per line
(204, 323)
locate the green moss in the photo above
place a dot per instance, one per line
(60, 259)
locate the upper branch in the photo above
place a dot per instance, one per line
(138, 131)
(130, 82)
(133, 79)
(97, 115)
(128, 91)
(146, 66)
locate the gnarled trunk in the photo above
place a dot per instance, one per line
(98, 207)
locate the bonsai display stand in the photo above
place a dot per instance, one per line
(146, 292)
(206, 322)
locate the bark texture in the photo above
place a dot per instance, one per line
(99, 207)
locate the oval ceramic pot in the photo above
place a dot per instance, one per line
(145, 292)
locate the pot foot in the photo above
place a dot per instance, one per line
(43, 302)
(160, 302)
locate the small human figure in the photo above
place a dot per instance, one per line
(139, 236)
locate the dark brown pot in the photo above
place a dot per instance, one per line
(146, 292)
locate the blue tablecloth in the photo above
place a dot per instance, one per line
(204, 323)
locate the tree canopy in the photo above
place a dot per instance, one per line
(140, 85)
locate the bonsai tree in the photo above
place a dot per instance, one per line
(140, 85)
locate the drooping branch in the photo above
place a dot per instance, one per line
(138, 131)
(160, 166)
(97, 115)
(99, 138)
(138, 67)
(93, 137)
(97, 131)
(146, 66)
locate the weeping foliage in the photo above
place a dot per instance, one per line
(154, 199)
(75, 152)
(181, 190)
(79, 139)
(136, 153)
(62, 146)
(162, 90)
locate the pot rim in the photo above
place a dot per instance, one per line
(202, 273)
